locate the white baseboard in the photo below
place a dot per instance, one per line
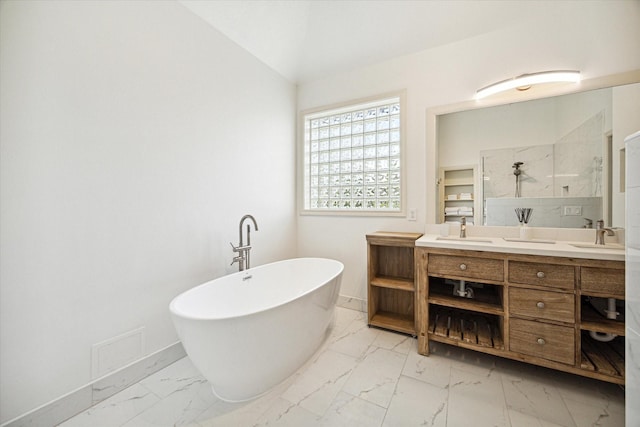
(64, 407)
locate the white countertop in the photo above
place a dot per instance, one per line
(508, 242)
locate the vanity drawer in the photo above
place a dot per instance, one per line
(542, 304)
(603, 281)
(532, 273)
(551, 342)
(466, 266)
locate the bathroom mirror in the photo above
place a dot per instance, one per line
(568, 146)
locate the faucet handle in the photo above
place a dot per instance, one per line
(240, 248)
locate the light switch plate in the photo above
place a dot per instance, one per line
(572, 210)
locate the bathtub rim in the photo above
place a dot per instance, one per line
(182, 315)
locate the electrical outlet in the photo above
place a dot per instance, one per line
(572, 210)
(413, 214)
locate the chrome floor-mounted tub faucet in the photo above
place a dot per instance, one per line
(243, 258)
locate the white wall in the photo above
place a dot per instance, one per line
(134, 136)
(598, 38)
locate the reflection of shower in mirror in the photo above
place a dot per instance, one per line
(597, 176)
(517, 171)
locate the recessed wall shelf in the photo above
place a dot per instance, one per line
(456, 192)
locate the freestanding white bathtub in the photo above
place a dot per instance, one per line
(249, 331)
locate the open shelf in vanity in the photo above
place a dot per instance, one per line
(598, 283)
(466, 321)
(591, 320)
(487, 297)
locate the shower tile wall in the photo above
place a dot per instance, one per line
(572, 167)
(632, 282)
(578, 160)
(547, 211)
(537, 172)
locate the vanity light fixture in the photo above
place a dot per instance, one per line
(525, 81)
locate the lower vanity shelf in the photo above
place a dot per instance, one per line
(465, 328)
(462, 328)
(606, 358)
(396, 321)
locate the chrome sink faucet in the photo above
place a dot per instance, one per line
(243, 258)
(463, 228)
(600, 230)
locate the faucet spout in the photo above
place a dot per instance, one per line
(243, 250)
(601, 230)
(463, 228)
(255, 226)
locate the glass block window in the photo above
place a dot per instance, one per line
(352, 158)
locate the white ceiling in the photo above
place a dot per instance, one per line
(306, 40)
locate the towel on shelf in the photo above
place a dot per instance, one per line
(452, 197)
(451, 211)
(466, 196)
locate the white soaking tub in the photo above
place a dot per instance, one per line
(249, 331)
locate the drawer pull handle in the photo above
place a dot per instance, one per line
(540, 304)
(463, 267)
(540, 274)
(541, 341)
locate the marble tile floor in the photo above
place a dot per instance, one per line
(365, 376)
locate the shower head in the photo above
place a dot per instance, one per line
(516, 167)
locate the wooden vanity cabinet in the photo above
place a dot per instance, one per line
(529, 308)
(390, 281)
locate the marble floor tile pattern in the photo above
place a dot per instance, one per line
(368, 377)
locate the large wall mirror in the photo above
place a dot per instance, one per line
(562, 156)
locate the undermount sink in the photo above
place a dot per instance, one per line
(464, 239)
(613, 246)
(515, 239)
